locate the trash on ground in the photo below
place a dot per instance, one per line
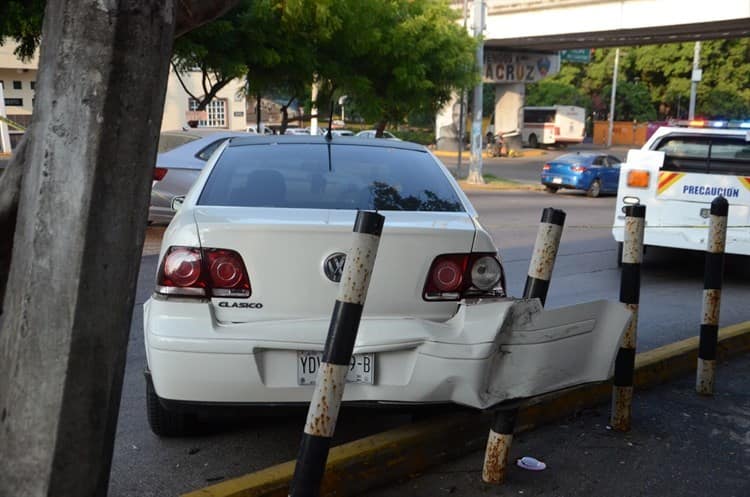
(530, 463)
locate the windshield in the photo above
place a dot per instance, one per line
(706, 154)
(357, 177)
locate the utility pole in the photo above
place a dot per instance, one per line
(695, 78)
(612, 99)
(462, 110)
(475, 168)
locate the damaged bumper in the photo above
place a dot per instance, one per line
(491, 351)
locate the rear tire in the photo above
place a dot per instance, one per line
(165, 423)
(533, 141)
(595, 189)
(551, 189)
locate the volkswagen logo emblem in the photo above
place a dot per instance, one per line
(333, 266)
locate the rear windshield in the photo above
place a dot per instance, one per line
(169, 141)
(356, 177)
(573, 159)
(706, 154)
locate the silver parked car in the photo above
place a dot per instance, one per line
(182, 155)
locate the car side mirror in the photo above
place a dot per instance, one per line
(177, 202)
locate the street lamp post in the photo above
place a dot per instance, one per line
(462, 112)
(696, 76)
(612, 100)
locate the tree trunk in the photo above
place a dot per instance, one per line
(380, 128)
(190, 15)
(211, 93)
(78, 239)
(284, 119)
(258, 100)
(10, 191)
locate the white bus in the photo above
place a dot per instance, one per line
(677, 174)
(555, 125)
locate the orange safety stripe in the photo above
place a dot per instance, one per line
(745, 181)
(667, 179)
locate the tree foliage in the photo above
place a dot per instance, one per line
(400, 57)
(654, 81)
(392, 58)
(21, 21)
(216, 50)
(417, 55)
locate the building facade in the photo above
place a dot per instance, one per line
(226, 111)
(18, 79)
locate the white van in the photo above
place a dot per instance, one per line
(677, 174)
(555, 125)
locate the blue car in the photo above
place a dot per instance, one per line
(592, 172)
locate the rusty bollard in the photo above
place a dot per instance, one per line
(630, 291)
(342, 334)
(545, 253)
(537, 284)
(712, 282)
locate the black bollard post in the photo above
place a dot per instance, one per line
(712, 282)
(342, 334)
(537, 284)
(630, 290)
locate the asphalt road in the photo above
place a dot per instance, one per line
(526, 169)
(145, 465)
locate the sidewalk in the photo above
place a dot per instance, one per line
(680, 445)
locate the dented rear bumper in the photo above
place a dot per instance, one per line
(491, 351)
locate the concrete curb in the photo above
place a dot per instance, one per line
(470, 187)
(396, 454)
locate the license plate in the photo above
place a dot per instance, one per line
(361, 367)
(557, 180)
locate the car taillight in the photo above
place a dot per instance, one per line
(159, 173)
(546, 167)
(227, 273)
(190, 271)
(638, 178)
(577, 169)
(447, 274)
(455, 276)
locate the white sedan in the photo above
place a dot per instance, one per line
(248, 277)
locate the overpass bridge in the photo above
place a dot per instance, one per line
(551, 25)
(519, 31)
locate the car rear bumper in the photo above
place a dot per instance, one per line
(491, 351)
(561, 181)
(196, 359)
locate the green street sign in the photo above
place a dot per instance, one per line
(582, 55)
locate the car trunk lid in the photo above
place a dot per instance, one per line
(285, 250)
